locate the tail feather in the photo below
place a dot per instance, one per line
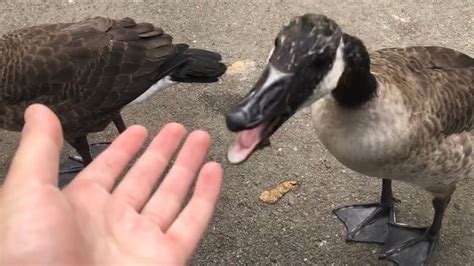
(203, 54)
(201, 66)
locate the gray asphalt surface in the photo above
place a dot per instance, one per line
(300, 228)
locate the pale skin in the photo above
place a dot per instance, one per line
(91, 222)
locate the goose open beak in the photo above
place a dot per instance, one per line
(256, 117)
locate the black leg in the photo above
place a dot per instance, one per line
(87, 152)
(387, 194)
(440, 205)
(72, 166)
(82, 147)
(409, 245)
(368, 222)
(69, 169)
(119, 124)
(75, 164)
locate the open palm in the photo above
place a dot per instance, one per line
(91, 221)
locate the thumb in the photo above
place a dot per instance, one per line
(37, 157)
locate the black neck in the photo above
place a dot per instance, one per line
(356, 85)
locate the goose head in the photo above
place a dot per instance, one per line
(304, 66)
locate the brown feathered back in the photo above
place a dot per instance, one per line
(84, 71)
(439, 82)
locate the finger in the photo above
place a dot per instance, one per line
(36, 160)
(192, 222)
(136, 186)
(110, 163)
(166, 202)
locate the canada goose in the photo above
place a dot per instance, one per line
(402, 113)
(87, 71)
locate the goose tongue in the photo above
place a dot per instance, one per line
(244, 144)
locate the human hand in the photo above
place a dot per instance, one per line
(89, 221)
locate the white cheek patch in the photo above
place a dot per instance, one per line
(160, 85)
(329, 82)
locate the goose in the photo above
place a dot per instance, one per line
(401, 114)
(87, 71)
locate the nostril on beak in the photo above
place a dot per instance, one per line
(236, 120)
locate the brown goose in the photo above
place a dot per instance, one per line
(402, 113)
(88, 70)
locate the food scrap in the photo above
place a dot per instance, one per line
(273, 195)
(242, 67)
